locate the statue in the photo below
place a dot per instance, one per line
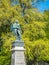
(16, 29)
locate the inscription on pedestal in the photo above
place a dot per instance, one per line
(19, 58)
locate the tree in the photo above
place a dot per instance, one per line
(47, 20)
(38, 51)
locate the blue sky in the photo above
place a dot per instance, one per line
(43, 6)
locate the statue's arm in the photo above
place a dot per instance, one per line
(20, 29)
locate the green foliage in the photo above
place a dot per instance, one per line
(37, 50)
(47, 26)
(40, 50)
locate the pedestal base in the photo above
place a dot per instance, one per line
(18, 57)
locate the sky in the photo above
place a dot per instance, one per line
(43, 6)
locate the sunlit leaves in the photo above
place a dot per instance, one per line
(38, 49)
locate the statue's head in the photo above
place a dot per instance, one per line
(16, 21)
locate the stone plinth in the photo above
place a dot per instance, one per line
(18, 43)
(18, 57)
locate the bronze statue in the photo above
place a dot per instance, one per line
(16, 29)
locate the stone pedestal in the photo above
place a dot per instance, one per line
(18, 57)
